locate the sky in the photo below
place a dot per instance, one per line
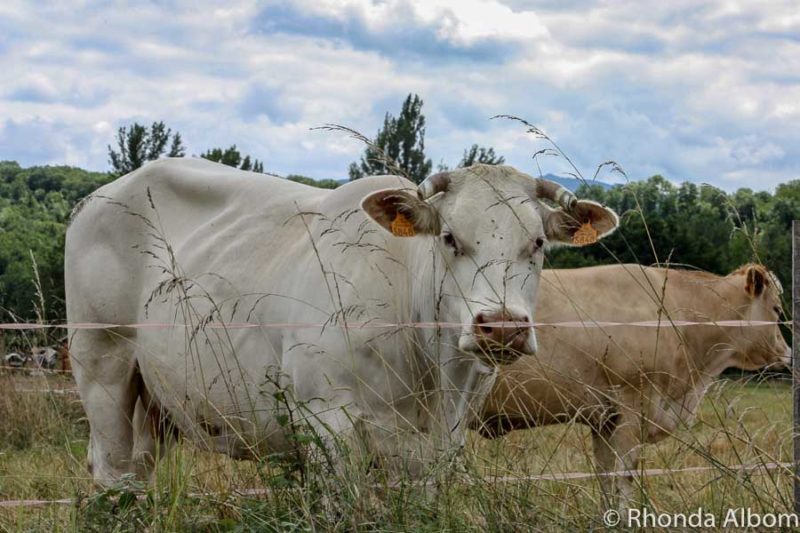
(695, 91)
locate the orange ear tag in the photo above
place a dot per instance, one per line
(402, 227)
(584, 235)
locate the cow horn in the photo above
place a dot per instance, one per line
(555, 192)
(434, 184)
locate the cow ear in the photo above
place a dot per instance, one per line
(586, 223)
(755, 281)
(401, 212)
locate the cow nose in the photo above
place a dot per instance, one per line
(501, 329)
(786, 360)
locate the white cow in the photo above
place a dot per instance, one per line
(190, 242)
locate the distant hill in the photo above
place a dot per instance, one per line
(573, 183)
(567, 182)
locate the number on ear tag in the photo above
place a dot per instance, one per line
(584, 235)
(402, 227)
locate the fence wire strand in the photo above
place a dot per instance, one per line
(419, 325)
(554, 476)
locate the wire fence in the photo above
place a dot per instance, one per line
(736, 469)
(561, 476)
(418, 325)
(755, 461)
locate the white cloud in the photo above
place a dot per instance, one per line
(703, 92)
(459, 21)
(465, 21)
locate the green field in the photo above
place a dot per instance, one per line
(43, 446)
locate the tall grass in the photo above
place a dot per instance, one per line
(43, 438)
(739, 422)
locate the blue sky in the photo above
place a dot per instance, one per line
(700, 91)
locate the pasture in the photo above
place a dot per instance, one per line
(225, 308)
(43, 438)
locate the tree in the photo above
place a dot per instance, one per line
(35, 205)
(689, 224)
(479, 154)
(320, 184)
(233, 158)
(138, 145)
(399, 146)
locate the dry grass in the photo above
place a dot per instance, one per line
(43, 445)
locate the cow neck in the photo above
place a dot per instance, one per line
(425, 280)
(463, 381)
(716, 302)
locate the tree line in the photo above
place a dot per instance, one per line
(398, 148)
(693, 226)
(688, 224)
(137, 144)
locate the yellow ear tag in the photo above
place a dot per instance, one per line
(402, 227)
(584, 235)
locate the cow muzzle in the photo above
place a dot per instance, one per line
(504, 334)
(786, 358)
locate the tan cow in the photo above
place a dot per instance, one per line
(633, 384)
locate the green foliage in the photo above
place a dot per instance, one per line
(399, 147)
(322, 184)
(136, 146)
(689, 224)
(479, 154)
(35, 204)
(698, 226)
(233, 158)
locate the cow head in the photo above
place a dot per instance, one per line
(489, 227)
(759, 300)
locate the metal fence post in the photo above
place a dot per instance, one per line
(796, 358)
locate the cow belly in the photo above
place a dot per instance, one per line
(215, 388)
(670, 413)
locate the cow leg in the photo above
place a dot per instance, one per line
(352, 441)
(605, 461)
(144, 442)
(617, 447)
(106, 376)
(153, 433)
(335, 439)
(404, 454)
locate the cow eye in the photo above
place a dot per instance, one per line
(537, 246)
(450, 241)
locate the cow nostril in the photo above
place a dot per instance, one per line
(509, 328)
(480, 320)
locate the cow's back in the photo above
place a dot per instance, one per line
(609, 293)
(595, 353)
(173, 213)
